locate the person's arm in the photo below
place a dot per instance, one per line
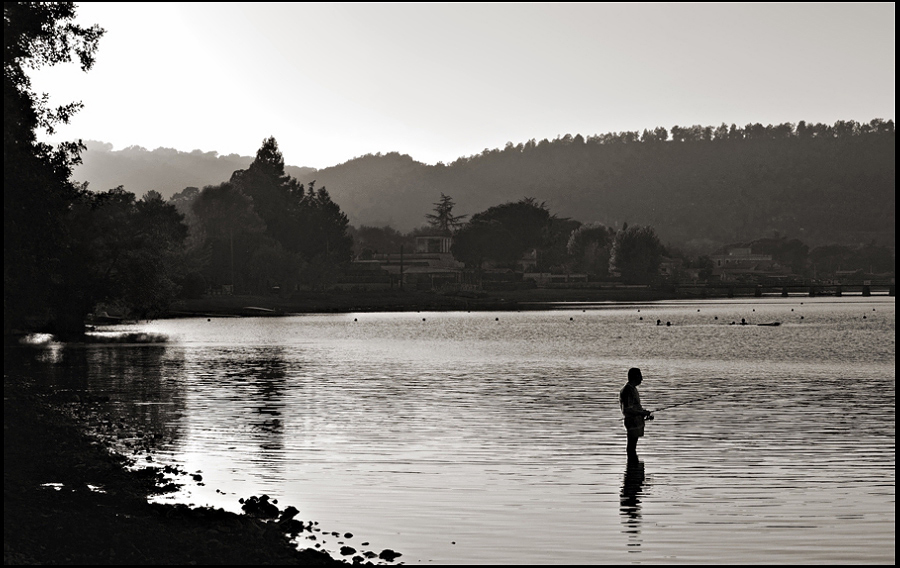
(631, 404)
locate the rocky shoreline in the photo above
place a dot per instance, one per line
(69, 499)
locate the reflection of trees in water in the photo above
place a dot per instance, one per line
(630, 503)
(242, 391)
(134, 378)
(140, 378)
(251, 397)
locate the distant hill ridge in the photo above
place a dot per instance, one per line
(697, 186)
(165, 170)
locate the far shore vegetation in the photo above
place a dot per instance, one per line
(620, 216)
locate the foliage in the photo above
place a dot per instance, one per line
(66, 249)
(272, 266)
(503, 233)
(37, 192)
(589, 247)
(324, 227)
(184, 198)
(35, 35)
(554, 255)
(700, 187)
(443, 218)
(231, 230)
(368, 241)
(320, 273)
(828, 261)
(636, 254)
(224, 210)
(484, 239)
(121, 251)
(268, 188)
(788, 252)
(166, 170)
(263, 229)
(303, 219)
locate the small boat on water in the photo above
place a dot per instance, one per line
(256, 311)
(103, 318)
(770, 324)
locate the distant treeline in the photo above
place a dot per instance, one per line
(515, 234)
(164, 170)
(700, 187)
(261, 230)
(69, 250)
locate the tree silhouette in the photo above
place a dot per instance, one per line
(270, 191)
(302, 223)
(482, 240)
(443, 218)
(379, 240)
(123, 252)
(503, 233)
(230, 223)
(589, 247)
(636, 254)
(37, 193)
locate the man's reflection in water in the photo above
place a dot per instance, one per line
(632, 490)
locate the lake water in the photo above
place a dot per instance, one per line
(496, 437)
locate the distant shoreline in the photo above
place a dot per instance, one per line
(397, 301)
(337, 301)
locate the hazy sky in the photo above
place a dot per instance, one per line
(440, 81)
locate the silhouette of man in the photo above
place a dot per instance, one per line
(635, 415)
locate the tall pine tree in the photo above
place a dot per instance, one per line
(443, 218)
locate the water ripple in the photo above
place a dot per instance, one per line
(502, 432)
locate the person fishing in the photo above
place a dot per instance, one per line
(635, 415)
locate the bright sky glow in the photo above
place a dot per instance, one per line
(334, 81)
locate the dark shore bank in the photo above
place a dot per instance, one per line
(71, 522)
(343, 301)
(337, 301)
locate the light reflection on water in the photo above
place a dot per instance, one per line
(500, 432)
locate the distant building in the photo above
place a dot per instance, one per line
(429, 266)
(669, 267)
(546, 279)
(740, 263)
(434, 243)
(528, 262)
(673, 269)
(223, 290)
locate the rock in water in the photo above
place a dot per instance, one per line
(389, 555)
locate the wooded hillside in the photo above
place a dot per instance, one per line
(700, 187)
(704, 188)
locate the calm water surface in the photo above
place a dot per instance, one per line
(497, 437)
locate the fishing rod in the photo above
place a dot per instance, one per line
(707, 397)
(683, 403)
